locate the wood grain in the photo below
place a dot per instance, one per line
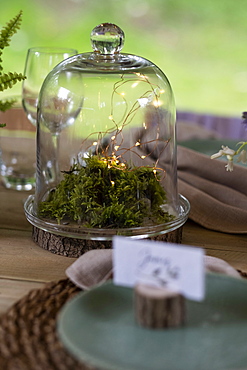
(158, 308)
(12, 214)
(230, 247)
(21, 258)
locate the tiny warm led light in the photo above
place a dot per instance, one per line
(154, 171)
(122, 93)
(143, 156)
(162, 91)
(157, 103)
(144, 125)
(116, 147)
(113, 137)
(95, 143)
(111, 117)
(137, 143)
(113, 183)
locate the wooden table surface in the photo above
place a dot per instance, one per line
(25, 266)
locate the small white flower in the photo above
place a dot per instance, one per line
(224, 151)
(230, 154)
(242, 156)
(229, 166)
(217, 155)
(228, 151)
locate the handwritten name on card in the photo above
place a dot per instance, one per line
(174, 266)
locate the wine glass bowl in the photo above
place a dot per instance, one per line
(39, 62)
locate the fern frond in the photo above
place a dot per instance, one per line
(7, 80)
(9, 30)
(7, 104)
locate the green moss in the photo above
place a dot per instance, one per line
(107, 194)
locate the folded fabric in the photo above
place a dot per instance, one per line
(95, 267)
(92, 268)
(218, 198)
(217, 265)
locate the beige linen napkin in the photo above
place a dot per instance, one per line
(218, 198)
(92, 268)
(95, 267)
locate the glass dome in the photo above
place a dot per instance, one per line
(106, 146)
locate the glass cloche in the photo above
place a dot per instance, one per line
(106, 146)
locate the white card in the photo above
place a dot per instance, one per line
(174, 266)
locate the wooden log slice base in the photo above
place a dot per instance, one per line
(72, 247)
(158, 308)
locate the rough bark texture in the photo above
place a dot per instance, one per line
(71, 247)
(158, 308)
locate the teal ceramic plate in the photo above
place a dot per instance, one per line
(98, 327)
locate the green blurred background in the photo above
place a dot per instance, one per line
(199, 45)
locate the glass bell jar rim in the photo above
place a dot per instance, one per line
(102, 234)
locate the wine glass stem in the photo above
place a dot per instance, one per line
(56, 142)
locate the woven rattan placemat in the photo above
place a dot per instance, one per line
(28, 338)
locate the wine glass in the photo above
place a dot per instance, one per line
(39, 62)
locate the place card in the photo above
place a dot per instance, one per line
(168, 265)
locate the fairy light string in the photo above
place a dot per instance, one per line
(109, 143)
